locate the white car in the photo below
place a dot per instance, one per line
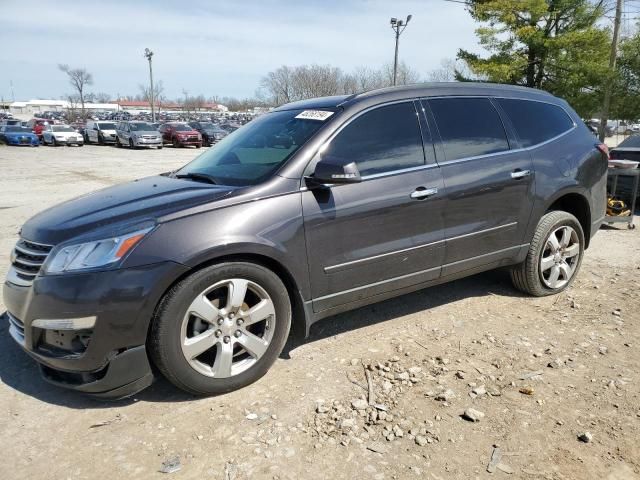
(100, 132)
(61, 135)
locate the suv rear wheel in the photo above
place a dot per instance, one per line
(221, 328)
(554, 258)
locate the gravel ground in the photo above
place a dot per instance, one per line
(464, 380)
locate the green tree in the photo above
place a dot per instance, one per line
(555, 45)
(625, 103)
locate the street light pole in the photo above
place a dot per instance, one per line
(398, 27)
(148, 53)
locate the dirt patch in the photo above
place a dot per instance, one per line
(468, 380)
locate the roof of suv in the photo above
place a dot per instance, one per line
(419, 90)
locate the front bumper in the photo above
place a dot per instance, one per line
(111, 362)
(65, 141)
(23, 143)
(141, 142)
(187, 142)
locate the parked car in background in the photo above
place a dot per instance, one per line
(230, 127)
(210, 132)
(180, 135)
(37, 125)
(624, 127)
(137, 134)
(594, 126)
(18, 136)
(11, 121)
(100, 132)
(56, 135)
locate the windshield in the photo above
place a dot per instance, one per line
(140, 127)
(16, 129)
(183, 128)
(62, 128)
(107, 126)
(254, 152)
(207, 126)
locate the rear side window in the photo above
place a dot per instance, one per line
(382, 140)
(468, 127)
(536, 122)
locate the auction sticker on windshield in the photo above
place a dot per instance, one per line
(320, 115)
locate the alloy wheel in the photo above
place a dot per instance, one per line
(227, 328)
(560, 257)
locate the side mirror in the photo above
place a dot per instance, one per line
(331, 170)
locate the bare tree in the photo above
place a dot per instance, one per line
(192, 104)
(406, 75)
(145, 91)
(79, 79)
(288, 84)
(278, 85)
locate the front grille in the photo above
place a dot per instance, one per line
(27, 259)
(149, 137)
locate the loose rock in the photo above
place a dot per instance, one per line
(473, 415)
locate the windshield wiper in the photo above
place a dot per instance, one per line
(197, 176)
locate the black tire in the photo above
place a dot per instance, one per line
(131, 145)
(165, 333)
(100, 139)
(118, 144)
(526, 276)
(54, 142)
(176, 144)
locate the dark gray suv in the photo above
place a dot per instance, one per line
(316, 208)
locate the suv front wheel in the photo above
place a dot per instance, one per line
(554, 258)
(221, 328)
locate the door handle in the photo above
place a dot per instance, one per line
(421, 192)
(520, 174)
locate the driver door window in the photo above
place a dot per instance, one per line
(382, 140)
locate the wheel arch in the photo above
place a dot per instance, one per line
(575, 203)
(299, 317)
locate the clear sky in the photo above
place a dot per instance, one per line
(213, 47)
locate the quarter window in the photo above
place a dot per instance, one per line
(382, 140)
(468, 127)
(535, 122)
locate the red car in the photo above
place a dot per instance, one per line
(37, 125)
(180, 135)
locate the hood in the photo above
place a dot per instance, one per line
(108, 209)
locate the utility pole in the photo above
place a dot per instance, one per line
(148, 53)
(398, 27)
(613, 56)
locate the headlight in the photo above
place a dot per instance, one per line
(94, 254)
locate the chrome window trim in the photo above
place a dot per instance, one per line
(340, 266)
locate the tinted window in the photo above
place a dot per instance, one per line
(468, 127)
(632, 141)
(385, 139)
(535, 122)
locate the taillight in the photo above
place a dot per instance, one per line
(603, 149)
